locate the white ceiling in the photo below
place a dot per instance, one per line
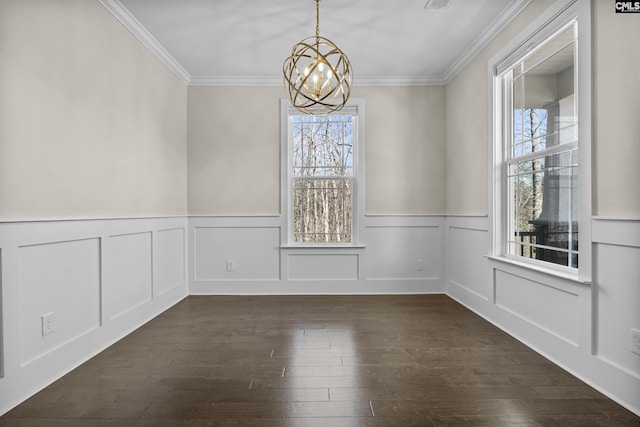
(247, 41)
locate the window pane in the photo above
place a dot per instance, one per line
(322, 210)
(550, 49)
(322, 146)
(545, 215)
(530, 130)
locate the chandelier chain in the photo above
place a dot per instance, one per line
(317, 18)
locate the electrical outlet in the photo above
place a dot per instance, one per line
(419, 265)
(230, 266)
(47, 324)
(635, 341)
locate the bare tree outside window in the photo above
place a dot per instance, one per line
(323, 177)
(530, 129)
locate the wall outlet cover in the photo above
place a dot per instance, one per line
(47, 324)
(635, 341)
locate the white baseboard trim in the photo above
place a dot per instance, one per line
(320, 287)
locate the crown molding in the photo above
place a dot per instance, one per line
(498, 24)
(278, 81)
(398, 81)
(236, 81)
(123, 15)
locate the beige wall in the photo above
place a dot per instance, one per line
(92, 125)
(405, 149)
(234, 150)
(616, 111)
(467, 123)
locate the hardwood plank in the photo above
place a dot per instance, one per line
(567, 392)
(222, 410)
(318, 361)
(431, 394)
(225, 395)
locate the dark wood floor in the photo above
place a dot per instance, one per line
(319, 361)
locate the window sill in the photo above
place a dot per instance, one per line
(323, 246)
(549, 271)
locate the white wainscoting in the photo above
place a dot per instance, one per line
(399, 254)
(617, 301)
(128, 272)
(53, 275)
(560, 314)
(584, 328)
(100, 280)
(466, 238)
(322, 266)
(252, 251)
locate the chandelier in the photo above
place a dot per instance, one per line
(317, 75)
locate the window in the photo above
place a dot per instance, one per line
(542, 153)
(322, 177)
(539, 144)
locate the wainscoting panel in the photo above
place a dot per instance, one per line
(62, 280)
(128, 273)
(553, 310)
(467, 265)
(322, 266)
(409, 252)
(237, 253)
(617, 292)
(95, 278)
(398, 254)
(169, 259)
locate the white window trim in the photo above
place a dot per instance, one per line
(554, 18)
(356, 105)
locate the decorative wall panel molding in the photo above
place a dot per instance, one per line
(583, 328)
(54, 278)
(169, 259)
(555, 311)
(401, 254)
(617, 292)
(236, 253)
(325, 267)
(127, 273)
(618, 232)
(466, 269)
(95, 281)
(131, 270)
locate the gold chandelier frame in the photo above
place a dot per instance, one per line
(317, 75)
